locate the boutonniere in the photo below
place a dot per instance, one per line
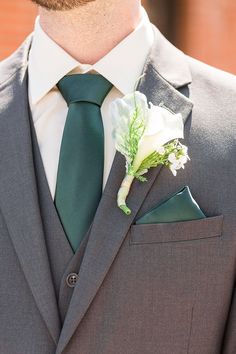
(147, 136)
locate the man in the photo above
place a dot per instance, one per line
(78, 276)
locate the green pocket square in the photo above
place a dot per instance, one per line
(179, 207)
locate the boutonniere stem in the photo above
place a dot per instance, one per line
(123, 194)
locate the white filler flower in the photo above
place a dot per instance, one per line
(147, 137)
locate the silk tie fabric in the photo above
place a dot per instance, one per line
(81, 161)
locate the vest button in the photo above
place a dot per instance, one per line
(71, 279)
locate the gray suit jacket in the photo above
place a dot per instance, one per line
(142, 289)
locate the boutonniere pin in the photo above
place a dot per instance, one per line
(147, 136)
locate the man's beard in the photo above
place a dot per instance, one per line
(61, 5)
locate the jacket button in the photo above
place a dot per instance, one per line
(71, 279)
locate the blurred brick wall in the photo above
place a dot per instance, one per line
(203, 29)
(16, 21)
(207, 30)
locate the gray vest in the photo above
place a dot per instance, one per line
(62, 259)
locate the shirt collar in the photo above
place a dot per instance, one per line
(122, 66)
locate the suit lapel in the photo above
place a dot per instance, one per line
(19, 200)
(110, 225)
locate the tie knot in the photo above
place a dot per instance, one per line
(91, 88)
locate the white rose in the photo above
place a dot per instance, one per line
(122, 111)
(162, 127)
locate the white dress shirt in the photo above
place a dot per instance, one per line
(48, 63)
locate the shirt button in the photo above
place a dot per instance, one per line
(71, 279)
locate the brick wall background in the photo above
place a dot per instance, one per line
(16, 21)
(207, 31)
(204, 29)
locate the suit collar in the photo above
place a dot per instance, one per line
(169, 62)
(110, 225)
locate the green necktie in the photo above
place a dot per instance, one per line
(81, 162)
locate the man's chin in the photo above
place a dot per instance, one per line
(61, 5)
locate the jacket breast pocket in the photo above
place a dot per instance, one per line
(177, 231)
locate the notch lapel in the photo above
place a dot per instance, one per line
(110, 224)
(18, 191)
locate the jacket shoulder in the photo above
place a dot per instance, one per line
(211, 78)
(12, 64)
(213, 93)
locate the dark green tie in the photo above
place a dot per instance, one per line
(81, 162)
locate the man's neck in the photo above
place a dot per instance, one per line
(91, 31)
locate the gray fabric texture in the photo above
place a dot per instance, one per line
(138, 292)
